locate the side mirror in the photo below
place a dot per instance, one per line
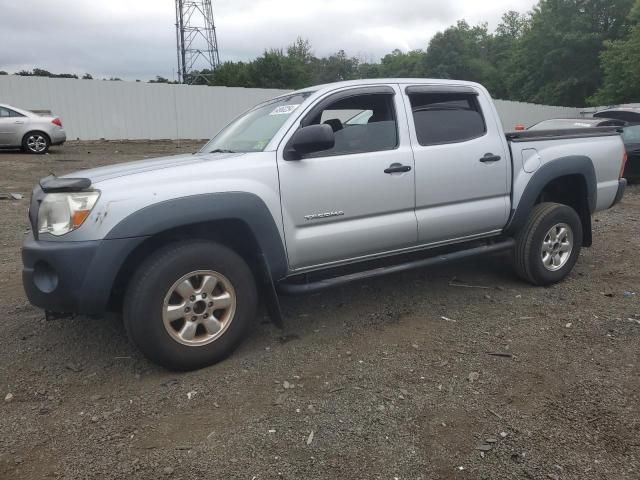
(313, 138)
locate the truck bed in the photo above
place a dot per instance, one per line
(603, 146)
(562, 134)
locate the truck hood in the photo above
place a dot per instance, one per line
(108, 172)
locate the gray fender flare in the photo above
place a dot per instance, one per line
(179, 212)
(560, 167)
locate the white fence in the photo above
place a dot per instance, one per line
(513, 113)
(95, 109)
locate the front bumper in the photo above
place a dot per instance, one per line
(622, 185)
(73, 277)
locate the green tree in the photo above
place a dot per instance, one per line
(232, 74)
(160, 79)
(621, 64)
(39, 72)
(512, 25)
(271, 70)
(503, 43)
(463, 52)
(556, 61)
(369, 70)
(399, 64)
(301, 63)
(335, 68)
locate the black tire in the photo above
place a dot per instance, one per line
(528, 256)
(37, 143)
(150, 284)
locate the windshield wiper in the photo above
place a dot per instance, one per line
(222, 150)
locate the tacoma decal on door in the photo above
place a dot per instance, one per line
(317, 216)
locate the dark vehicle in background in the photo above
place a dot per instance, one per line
(569, 123)
(631, 138)
(629, 113)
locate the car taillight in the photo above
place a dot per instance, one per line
(520, 127)
(624, 164)
(57, 121)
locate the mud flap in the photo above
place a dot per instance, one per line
(270, 295)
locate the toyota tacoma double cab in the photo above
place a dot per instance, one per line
(313, 189)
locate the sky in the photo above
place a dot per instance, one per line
(136, 39)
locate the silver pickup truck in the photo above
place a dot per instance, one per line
(313, 189)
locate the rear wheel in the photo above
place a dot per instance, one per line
(549, 244)
(36, 142)
(190, 304)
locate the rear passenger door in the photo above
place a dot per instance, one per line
(462, 167)
(356, 199)
(11, 123)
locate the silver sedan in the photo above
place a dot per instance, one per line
(27, 130)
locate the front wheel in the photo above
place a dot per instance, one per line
(190, 304)
(548, 245)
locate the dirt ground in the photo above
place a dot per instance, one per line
(395, 378)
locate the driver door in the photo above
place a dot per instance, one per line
(346, 203)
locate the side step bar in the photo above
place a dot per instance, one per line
(310, 287)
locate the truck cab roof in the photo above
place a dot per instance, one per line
(385, 81)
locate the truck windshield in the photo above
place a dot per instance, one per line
(253, 131)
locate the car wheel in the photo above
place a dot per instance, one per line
(36, 142)
(549, 244)
(190, 304)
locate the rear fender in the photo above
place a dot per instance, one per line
(560, 167)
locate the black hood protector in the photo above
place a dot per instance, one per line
(53, 184)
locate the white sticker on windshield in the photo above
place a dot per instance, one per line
(284, 109)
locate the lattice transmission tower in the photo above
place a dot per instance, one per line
(196, 39)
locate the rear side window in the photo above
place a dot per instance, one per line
(6, 112)
(446, 117)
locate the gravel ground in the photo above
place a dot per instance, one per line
(392, 378)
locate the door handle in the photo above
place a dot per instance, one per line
(490, 158)
(19, 121)
(397, 168)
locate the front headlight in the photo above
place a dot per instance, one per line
(62, 213)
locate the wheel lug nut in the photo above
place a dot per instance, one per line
(192, 298)
(187, 309)
(204, 295)
(194, 318)
(211, 304)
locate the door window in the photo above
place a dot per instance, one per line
(446, 117)
(6, 112)
(362, 123)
